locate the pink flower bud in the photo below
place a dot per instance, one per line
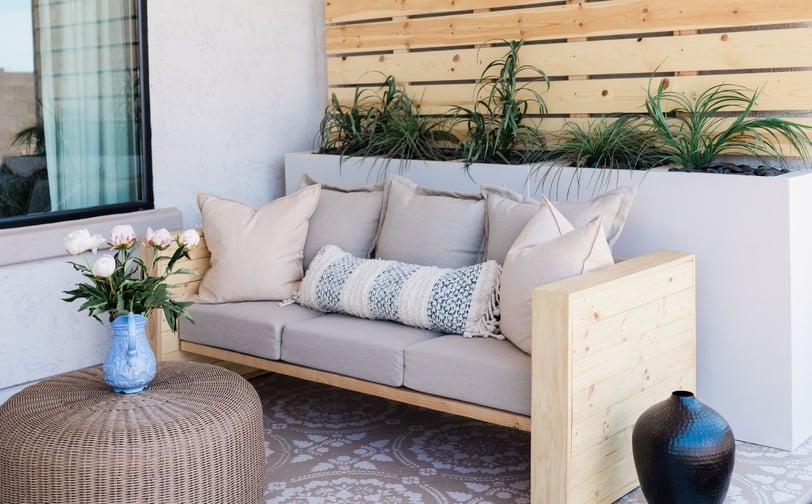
(122, 236)
(190, 238)
(159, 239)
(104, 266)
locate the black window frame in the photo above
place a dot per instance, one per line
(146, 152)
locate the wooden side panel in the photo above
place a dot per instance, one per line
(640, 315)
(164, 341)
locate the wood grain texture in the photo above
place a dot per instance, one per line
(761, 49)
(592, 19)
(342, 11)
(649, 351)
(783, 92)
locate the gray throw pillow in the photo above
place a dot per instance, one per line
(431, 227)
(509, 211)
(345, 216)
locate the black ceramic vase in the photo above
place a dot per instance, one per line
(683, 452)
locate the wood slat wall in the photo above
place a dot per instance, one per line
(600, 54)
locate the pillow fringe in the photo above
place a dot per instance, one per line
(487, 324)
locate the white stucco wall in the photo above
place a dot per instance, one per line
(234, 86)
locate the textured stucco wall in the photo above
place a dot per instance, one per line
(234, 86)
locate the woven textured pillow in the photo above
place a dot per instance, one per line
(455, 301)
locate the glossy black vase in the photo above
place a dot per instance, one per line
(683, 452)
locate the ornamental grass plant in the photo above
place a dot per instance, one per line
(694, 132)
(611, 144)
(385, 124)
(498, 128)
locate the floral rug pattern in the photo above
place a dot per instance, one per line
(325, 445)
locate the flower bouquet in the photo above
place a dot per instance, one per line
(121, 283)
(122, 286)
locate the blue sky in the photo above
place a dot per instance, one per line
(16, 39)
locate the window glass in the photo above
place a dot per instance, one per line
(71, 113)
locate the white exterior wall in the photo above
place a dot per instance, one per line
(234, 86)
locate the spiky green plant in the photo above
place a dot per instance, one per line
(693, 133)
(610, 144)
(497, 128)
(385, 124)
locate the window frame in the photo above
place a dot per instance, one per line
(146, 152)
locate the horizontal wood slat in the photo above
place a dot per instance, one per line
(623, 414)
(591, 19)
(774, 49)
(783, 92)
(337, 11)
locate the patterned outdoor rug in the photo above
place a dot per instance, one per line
(326, 445)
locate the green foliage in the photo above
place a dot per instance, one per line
(386, 123)
(692, 133)
(612, 144)
(621, 143)
(130, 288)
(32, 139)
(497, 127)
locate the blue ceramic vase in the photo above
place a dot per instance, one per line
(683, 452)
(130, 362)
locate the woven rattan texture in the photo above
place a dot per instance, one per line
(195, 435)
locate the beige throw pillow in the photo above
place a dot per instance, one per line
(256, 254)
(509, 211)
(345, 216)
(430, 227)
(535, 259)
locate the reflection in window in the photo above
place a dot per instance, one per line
(70, 106)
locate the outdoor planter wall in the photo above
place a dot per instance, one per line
(753, 246)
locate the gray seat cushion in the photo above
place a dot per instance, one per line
(366, 349)
(252, 327)
(484, 371)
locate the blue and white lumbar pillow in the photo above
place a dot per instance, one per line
(454, 301)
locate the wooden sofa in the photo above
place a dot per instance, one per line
(606, 344)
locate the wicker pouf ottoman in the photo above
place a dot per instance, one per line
(194, 435)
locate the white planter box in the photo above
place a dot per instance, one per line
(752, 237)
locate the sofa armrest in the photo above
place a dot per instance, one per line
(162, 339)
(606, 345)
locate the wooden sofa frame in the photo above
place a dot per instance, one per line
(606, 345)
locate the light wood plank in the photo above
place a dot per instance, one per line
(404, 395)
(759, 49)
(636, 378)
(338, 11)
(618, 329)
(783, 92)
(623, 414)
(635, 351)
(551, 404)
(564, 21)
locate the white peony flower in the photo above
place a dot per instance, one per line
(80, 241)
(122, 236)
(190, 238)
(159, 239)
(104, 266)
